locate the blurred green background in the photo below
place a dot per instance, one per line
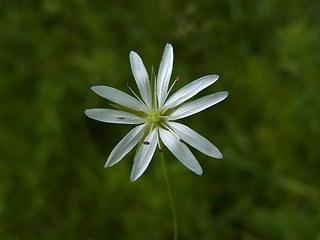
(53, 184)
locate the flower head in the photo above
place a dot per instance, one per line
(154, 113)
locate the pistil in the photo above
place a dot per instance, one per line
(154, 117)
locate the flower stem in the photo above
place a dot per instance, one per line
(173, 210)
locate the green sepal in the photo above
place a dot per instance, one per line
(129, 110)
(153, 80)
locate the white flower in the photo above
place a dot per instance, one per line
(154, 113)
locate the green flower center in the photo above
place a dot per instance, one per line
(154, 117)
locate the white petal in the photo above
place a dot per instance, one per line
(113, 116)
(195, 140)
(180, 151)
(190, 90)
(164, 73)
(141, 76)
(144, 155)
(126, 145)
(198, 105)
(119, 97)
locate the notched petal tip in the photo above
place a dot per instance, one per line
(220, 157)
(97, 89)
(169, 45)
(94, 88)
(216, 76)
(225, 93)
(198, 171)
(107, 165)
(88, 112)
(134, 177)
(133, 54)
(169, 50)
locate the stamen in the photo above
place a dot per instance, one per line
(182, 141)
(159, 147)
(128, 86)
(170, 130)
(147, 142)
(120, 118)
(176, 80)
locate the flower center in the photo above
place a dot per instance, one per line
(154, 117)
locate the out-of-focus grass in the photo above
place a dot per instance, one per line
(53, 184)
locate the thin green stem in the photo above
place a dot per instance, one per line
(173, 209)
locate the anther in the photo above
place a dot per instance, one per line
(146, 143)
(160, 150)
(177, 79)
(182, 141)
(127, 83)
(120, 118)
